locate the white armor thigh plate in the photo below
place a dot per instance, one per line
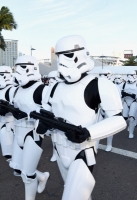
(68, 150)
(24, 98)
(22, 128)
(125, 110)
(7, 135)
(68, 102)
(128, 100)
(133, 110)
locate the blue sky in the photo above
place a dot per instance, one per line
(108, 26)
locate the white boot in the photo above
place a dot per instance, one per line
(42, 180)
(30, 187)
(53, 158)
(109, 143)
(97, 144)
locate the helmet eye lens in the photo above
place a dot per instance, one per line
(24, 67)
(69, 55)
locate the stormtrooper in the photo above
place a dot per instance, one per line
(119, 83)
(129, 93)
(6, 119)
(28, 98)
(76, 100)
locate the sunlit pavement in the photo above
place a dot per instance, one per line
(115, 175)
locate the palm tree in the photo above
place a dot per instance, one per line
(7, 22)
(131, 61)
(2, 43)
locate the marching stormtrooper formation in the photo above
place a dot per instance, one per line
(76, 109)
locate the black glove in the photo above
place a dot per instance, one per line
(41, 128)
(76, 136)
(19, 114)
(4, 111)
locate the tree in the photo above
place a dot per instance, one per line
(2, 42)
(131, 61)
(7, 22)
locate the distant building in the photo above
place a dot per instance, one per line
(107, 60)
(10, 54)
(128, 53)
(47, 62)
(46, 66)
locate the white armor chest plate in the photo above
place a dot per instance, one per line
(68, 102)
(24, 98)
(3, 92)
(131, 88)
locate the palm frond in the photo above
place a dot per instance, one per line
(7, 21)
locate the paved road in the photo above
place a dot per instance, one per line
(116, 175)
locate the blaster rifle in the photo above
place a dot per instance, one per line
(6, 107)
(49, 120)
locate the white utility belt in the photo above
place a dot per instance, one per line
(7, 118)
(60, 138)
(25, 123)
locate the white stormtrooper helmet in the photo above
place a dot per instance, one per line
(72, 58)
(106, 73)
(5, 76)
(27, 69)
(131, 77)
(118, 79)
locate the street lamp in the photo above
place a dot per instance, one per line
(31, 49)
(102, 59)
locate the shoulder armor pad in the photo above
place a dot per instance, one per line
(109, 95)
